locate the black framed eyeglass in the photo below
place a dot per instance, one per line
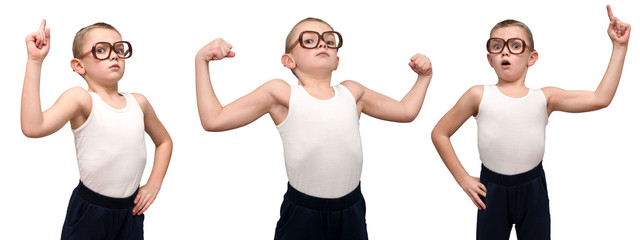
(311, 39)
(102, 50)
(515, 45)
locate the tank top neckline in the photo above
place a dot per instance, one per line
(512, 98)
(335, 94)
(124, 109)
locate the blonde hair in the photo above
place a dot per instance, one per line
(78, 40)
(516, 23)
(291, 37)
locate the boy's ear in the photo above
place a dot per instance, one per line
(287, 61)
(77, 66)
(489, 59)
(532, 59)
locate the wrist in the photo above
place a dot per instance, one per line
(199, 60)
(620, 46)
(37, 61)
(424, 77)
(154, 182)
(461, 178)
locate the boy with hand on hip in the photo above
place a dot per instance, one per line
(318, 124)
(511, 131)
(109, 128)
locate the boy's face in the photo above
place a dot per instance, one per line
(321, 58)
(509, 66)
(110, 69)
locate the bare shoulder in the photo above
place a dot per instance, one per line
(552, 92)
(350, 84)
(469, 102)
(276, 85)
(79, 96)
(356, 89)
(79, 100)
(278, 89)
(142, 101)
(77, 93)
(548, 91)
(474, 94)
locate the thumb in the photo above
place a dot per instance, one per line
(137, 199)
(47, 37)
(231, 54)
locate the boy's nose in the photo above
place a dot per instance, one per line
(322, 44)
(113, 55)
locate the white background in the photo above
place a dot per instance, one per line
(229, 185)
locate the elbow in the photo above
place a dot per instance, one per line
(208, 127)
(407, 119)
(601, 100)
(409, 116)
(30, 133)
(169, 142)
(166, 144)
(211, 127)
(438, 135)
(603, 103)
(434, 135)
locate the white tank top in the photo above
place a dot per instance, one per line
(321, 141)
(511, 131)
(110, 148)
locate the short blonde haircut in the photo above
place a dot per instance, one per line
(78, 40)
(516, 23)
(291, 37)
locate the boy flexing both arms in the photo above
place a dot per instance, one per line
(318, 124)
(109, 128)
(511, 131)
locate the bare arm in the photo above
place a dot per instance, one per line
(466, 107)
(164, 146)
(584, 101)
(380, 106)
(215, 117)
(35, 122)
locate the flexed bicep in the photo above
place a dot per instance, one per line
(68, 106)
(248, 108)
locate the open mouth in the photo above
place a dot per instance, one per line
(505, 63)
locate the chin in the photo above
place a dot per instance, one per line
(116, 78)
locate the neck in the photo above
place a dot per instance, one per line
(512, 81)
(104, 90)
(511, 84)
(514, 89)
(314, 81)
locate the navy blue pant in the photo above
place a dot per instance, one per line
(94, 216)
(520, 199)
(311, 218)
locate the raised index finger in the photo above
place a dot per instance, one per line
(43, 25)
(610, 13)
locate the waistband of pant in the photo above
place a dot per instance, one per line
(108, 202)
(323, 204)
(511, 180)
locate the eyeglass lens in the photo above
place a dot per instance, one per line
(103, 50)
(312, 39)
(515, 45)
